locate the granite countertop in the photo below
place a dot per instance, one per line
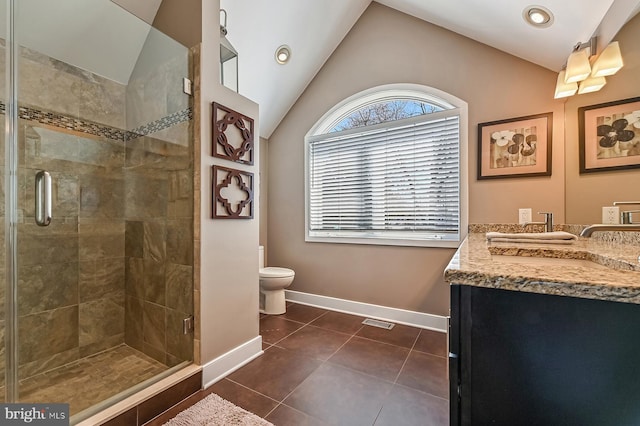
(609, 270)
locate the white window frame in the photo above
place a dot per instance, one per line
(376, 95)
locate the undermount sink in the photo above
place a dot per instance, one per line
(545, 261)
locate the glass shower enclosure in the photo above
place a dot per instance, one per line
(97, 204)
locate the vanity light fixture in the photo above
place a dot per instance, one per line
(591, 84)
(578, 66)
(564, 89)
(283, 54)
(609, 61)
(538, 16)
(580, 70)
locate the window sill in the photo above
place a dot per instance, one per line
(436, 243)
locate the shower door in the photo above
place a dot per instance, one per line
(6, 349)
(99, 184)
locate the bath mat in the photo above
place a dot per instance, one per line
(215, 411)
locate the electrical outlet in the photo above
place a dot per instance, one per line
(611, 215)
(524, 216)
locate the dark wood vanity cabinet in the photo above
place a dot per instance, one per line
(521, 358)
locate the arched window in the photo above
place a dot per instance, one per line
(383, 111)
(388, 166)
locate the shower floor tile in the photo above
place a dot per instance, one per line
(91, 380)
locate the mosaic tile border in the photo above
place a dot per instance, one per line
(161, 124)
(84, 126)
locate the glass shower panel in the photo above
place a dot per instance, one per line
(3, 269)
(104, 289)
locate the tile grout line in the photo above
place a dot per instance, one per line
(359, 371)
(421, 391)
(297, 329)
(338, 350)
(304, 324)
(248, 388)
(377, 415)
(395, 382)
(294, 409)
(281, 339)
(272, 410)
(407, 358)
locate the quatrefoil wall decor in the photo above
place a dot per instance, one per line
(232, 193)
(233, 136)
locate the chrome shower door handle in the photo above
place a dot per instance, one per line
(43, 198)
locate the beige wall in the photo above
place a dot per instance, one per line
(264, 206)
(228, 278)
(178, 18)
(588, 193)
(383, 47)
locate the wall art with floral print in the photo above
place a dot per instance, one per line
(516, 147)
(609, 136)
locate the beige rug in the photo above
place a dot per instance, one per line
(215, 411)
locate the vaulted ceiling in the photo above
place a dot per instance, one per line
(314, 28)
(75, 30)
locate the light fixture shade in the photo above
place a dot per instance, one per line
(227, 51)
(578, 67)
(564, 89)
(592, 84)
(609, 61)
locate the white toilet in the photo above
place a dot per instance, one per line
(273, 281)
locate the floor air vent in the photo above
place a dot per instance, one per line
(378, 323)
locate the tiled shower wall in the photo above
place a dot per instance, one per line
(159, 251)
(159, 204)
(116, 263)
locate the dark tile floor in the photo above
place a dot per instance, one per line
(323, 367)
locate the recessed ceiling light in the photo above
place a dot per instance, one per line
(538, 16)
(283, 54)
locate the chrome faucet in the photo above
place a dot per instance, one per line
(625, 216)
(599, 227)
(548, 222)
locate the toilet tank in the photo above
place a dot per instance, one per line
(261, 257)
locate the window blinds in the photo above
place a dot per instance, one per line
(397, 180)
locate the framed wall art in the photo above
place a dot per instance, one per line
(516, 147)
(232, 193)
(233, 135)
(609, 136)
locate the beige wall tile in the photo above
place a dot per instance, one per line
(153, 326)
(48, 333)
(100, 319)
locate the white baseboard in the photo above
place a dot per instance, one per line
(227, 363)
(400, 316)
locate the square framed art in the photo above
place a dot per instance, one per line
(609, 136)
(515, 147)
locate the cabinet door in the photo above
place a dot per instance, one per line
(533, 359)
(454, 351)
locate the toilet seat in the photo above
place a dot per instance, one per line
(275, 272)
